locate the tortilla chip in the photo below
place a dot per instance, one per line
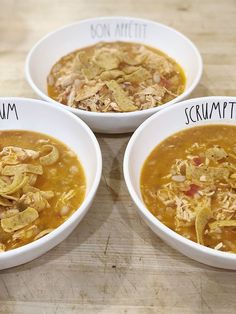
(91, 71)
(134, 60)
(209, 173)
(222, 223)
(18, 182)
(110, 75)
(19, 220)
(88, 91)
(106, 59)
(215, 153)
(51, 157)
(121, 98)
(83, 58)
(5, 202)
(25, 233)
(9, 213)
(12, 170)
(128, 69)
(202, 217)
(161, 64)
(138, 76)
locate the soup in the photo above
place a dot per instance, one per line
(189, 183)
(115, 77)
(41, 184)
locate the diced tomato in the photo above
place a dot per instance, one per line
(193, 189)
(197, 161)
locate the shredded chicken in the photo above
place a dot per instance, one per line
(35, 200)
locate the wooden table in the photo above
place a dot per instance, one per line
(113, 263)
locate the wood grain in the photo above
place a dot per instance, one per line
(113, 263)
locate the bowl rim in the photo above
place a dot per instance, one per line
(137, 113)
(175, 237)
(83, 208)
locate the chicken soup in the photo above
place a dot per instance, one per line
(41, 184)
(189, 183)
(115, 77)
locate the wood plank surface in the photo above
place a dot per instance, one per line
(112, 262)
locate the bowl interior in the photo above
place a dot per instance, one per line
(38, 116)
(59, 43)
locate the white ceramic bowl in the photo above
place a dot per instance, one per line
(153, 131)
(88, 32)
(39, 116)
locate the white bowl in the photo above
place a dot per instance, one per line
(39, 116)
(51, 48)
(153, 131)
